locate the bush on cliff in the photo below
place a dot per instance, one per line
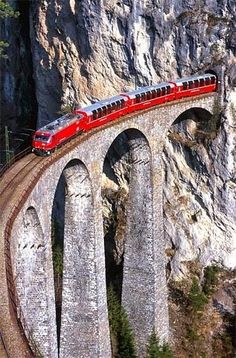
(123, 345)
(156, 350)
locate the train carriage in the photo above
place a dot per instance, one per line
(146, 97)
(104, 111)
(195, 85)
(53, 135)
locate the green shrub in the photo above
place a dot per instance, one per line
(156, 350)
(6, 11)
(126, 345)
(197, 298)
(210, 279)
(120, 328)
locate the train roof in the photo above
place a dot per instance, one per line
(148, 88)
(104, 102)
(60, 123)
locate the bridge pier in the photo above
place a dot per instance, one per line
(144, 270)
(84, 327)
(33, 276)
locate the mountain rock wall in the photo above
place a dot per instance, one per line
(88, 50)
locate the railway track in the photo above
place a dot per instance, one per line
(18, 173)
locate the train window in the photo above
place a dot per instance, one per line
(185, 86)
(95, 114)
(99, 112)
(43, 138)
(104, 110)
(149, 95)
(143, 96)
(168, 89)
(158, 92)
(153, 93)
(196, 83)
(213, 80)
(108, 108)
(138, 99)
(190, 84)
(122, 103)
(202, 82)
(207, 81)
(163, 91)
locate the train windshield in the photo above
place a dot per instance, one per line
(42, 138)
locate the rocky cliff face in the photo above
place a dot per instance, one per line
(86, 50)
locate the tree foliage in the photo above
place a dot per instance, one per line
(157, 350)
(197, 298)
(210, 279)
(6, 11)
(120, 327)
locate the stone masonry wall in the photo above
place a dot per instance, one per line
(79, 311)
(139, 266)
(153, 124)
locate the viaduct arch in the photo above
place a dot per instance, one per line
(84, 310)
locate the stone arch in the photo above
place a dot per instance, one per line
(79, 295)
(32, 285)
(57, 240)
(131, 171)
(197, 114)
(187, 164)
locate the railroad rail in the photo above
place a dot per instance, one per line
(14, 159)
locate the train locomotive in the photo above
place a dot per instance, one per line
(53, 135)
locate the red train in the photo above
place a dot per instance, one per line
(54, 134)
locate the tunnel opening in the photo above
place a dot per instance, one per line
(57, 240)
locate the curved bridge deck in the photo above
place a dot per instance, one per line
(15, 187)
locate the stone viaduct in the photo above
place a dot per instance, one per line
(84, 323)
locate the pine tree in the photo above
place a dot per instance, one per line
(156, 350)
(197, 298)
(113, 310)
(153, 349)
(166, 351)
(126, 345)
(121, 332)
